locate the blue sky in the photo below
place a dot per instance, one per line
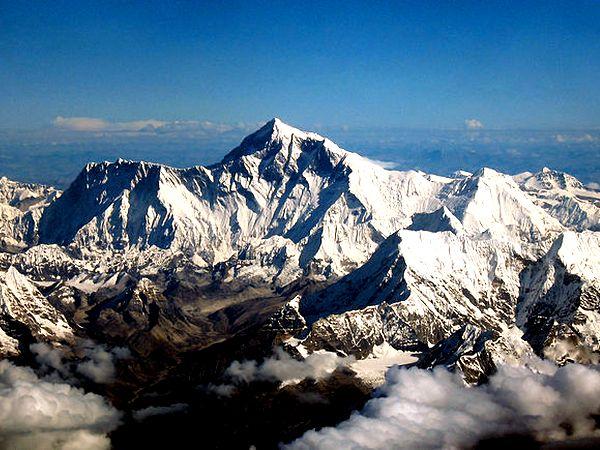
(413, 64)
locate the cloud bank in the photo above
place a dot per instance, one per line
(45, 415)
(433, 409)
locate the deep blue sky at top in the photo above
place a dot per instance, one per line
(515, 64)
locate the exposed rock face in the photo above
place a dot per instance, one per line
(292, 239)
(464, 350)
(561, 292)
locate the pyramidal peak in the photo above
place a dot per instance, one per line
(276, 136)
(280, 129)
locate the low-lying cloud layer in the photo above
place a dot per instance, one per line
(431, 410)
(100, 366)
(281, 367)
(45, 415)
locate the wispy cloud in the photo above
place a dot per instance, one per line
(473, 124)
(100, 366)
(384, 164)
(80, 123)
(97, 362)
(91, 124)
(142, 414)
(147, 126)
(575, 138)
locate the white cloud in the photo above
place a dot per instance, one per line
(384, 164)
(571, 138)
(97, 363)
(100, 366)
(80, 123)
(282, 367)
(49, 358)
(44, 415)
(222, 390)
(433, 409)
(93, 124)
(473, 124)
(593, 185)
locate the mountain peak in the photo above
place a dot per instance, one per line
(276, 125)
(272, 137)
(487, 172)
(276, 129)
(548, 179)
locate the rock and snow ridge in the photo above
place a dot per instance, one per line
(21, 206)
(24, 308)
(564, 197)
(410, 258)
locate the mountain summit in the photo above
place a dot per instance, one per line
(275, 135)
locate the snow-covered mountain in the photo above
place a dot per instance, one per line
(26, 315)
(317, 247)
(281, 190)
(563, 197)
(21, 206)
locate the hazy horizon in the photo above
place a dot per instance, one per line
(54, 155)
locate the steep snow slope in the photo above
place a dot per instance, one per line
(492, 203)
(26, 314)
(563, 289)
(21, 206)
(433, 282)
(419, 287)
